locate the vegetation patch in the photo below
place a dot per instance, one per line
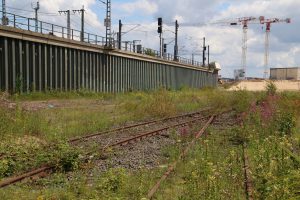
(213, 169)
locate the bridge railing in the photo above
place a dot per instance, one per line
(31, 24)
(131, 47)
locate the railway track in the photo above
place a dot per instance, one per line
(104, 134)
(119, 142)
(172, 167)
(124, 128)
(247, 179)
(213, 120)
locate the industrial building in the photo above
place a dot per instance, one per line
(291, 73)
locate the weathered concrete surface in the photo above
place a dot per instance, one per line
(261, 85)
(39, 62)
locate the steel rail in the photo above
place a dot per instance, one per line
(247, 177)
(153, 133)
(19, 178)
(15, 179)
(137, 125)
(183, 154)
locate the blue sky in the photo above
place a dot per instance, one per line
(225, 41)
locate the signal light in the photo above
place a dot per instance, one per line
(159, 22)
(159, 30)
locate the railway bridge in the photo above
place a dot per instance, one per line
(39, 61)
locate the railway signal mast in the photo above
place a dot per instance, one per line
(160, 31)
(268, 23)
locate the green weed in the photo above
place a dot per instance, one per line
(271, 88)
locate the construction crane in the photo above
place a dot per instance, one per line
(268, 23)
(244, 21)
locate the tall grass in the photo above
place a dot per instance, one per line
(211, 171)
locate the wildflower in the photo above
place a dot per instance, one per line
(211, 178)
(194, 174)
(232, 153)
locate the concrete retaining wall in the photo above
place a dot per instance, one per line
(36, 62)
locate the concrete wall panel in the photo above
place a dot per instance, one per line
(30, 66)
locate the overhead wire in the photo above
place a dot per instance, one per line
(87, 27)
(146, 30)
(32, 11)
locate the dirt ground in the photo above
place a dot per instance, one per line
(261, 85)
(5, 102)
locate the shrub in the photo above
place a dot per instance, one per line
(271, 88)
(113, 180)
(68, 157)
(286, 123)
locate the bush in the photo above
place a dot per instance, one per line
(271, 88)
(68, 158)
(113, 180)
(286, 123)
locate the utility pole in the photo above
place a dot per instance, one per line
(208, 54)
(67, 12)
(160, 30)
(176, 41)
(4, 18)
(81, 11)
(120, 35)
(192, 58)
(36, 16)
(133, 45)
(204, 49)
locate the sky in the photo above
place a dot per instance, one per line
(209, 19)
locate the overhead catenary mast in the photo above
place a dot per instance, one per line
(176, 41)
(81, 11)
(36, 8)
(67, 12)
(108, 42)
(4, 18)
(120, 35)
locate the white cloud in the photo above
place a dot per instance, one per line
(225, 42)
(53, 6)
(141, 6)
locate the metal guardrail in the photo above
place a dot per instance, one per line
(128, 46)
(33, 25)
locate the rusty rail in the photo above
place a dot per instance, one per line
(153, 133)
(137, 125)
(183, 154)
(15, 179)
(247, 180)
